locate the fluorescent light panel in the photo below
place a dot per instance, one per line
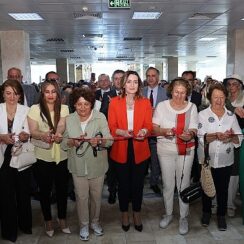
(25, 16)
(146, 15)
(207, 39)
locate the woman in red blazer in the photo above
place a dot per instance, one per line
(130, 116)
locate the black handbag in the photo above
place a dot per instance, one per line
(191, 193)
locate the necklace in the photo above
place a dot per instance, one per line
(130, 104)
(178, 106)
(11, 113)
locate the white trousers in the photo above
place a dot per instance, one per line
(88, 199)
(171, 168)
(232, 191)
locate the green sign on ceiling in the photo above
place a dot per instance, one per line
(119, 3)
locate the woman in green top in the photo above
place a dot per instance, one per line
(47, 123)
(87, 164)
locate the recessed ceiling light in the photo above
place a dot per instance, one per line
(146, 15)
(207, 39)
(242, 19)
(25, 16)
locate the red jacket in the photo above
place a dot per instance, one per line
(117, 119)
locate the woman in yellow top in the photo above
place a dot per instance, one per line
(47, 123)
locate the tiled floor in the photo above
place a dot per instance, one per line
(152, 211)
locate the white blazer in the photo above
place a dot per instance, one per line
(20, 124)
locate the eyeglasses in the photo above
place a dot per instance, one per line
(233, 84)
(53, 80)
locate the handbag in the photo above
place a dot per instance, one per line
(191, 193)
(206, 174)
(23, 155)
(40, 143)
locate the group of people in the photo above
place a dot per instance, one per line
(137, 126)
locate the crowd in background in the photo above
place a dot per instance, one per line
(118, 130)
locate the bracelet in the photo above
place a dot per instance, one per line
(144, 131)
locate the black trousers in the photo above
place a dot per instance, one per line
(154, 163)
(47, 173)
(112, 180)
(15, 202)
(130, 181)
(221, 177)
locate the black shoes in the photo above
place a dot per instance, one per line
(222, 226)
(137, 221)
(139, 227)
(112, 198)
(205, 219)
(156, 189)
(125, 227)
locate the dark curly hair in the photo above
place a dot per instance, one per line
(84, 92)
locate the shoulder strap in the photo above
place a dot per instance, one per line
(206, 151)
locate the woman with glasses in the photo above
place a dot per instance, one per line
(234, 85)
(87, 158)
(15, 204)
(47, 124)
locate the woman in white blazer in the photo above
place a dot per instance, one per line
(15, 204)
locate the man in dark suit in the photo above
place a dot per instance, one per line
(30, 92)
(115, 91)
(195, 98)
(104, 85)
(156, 94)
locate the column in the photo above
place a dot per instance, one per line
(235, 53)
(1, 71)
(79, 75)
(63, 69)
(172, 68)
(159, 67)
(15, 52)
(72, 73)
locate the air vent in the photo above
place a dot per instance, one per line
(55, 40)
(204, 16)
(67, 50)
(176, 35)
(132, 38)
(75, 57)
(117, 59)
(87, 15)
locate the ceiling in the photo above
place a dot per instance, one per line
(60, 34)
